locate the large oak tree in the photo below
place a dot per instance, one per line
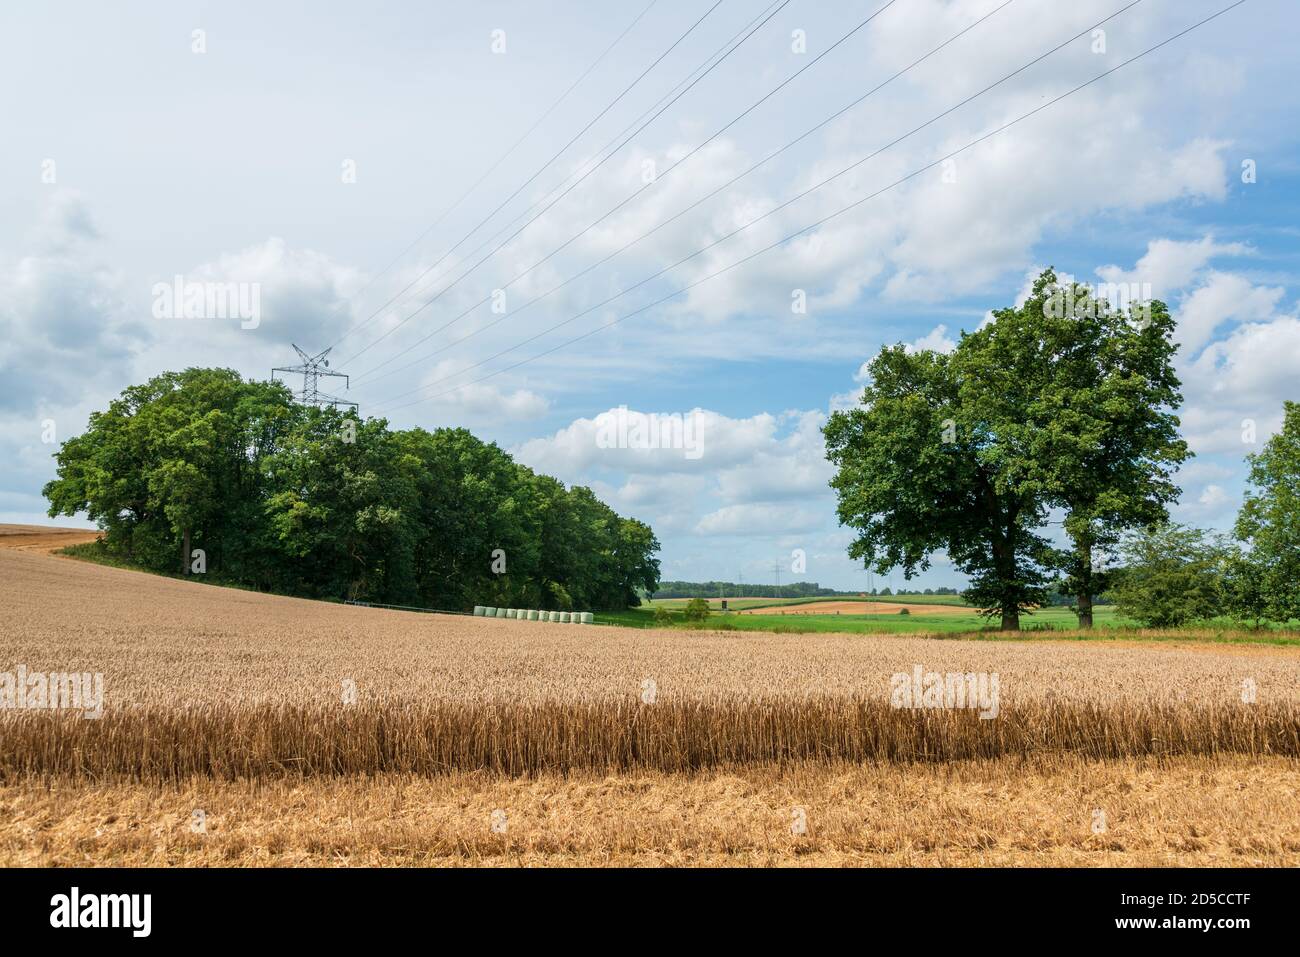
(1083, 391)
(920, 470)
(1056, 404)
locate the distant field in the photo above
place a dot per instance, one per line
(854, 607)
(743, 603)
(44, 538)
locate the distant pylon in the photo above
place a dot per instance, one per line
(311, 373)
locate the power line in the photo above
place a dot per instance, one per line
(789, 202)
(820, 222)
(732, 122)
(524, 185)
(567, 190)
(555, 190)
(490, 170)
(694, 205)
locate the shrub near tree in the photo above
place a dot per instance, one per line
(1172, 575)
(697, 609)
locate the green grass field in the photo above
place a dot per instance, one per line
(960, 620)
(1055, 623)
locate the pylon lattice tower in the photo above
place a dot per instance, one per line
(312, 368)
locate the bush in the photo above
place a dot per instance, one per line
(1172, 574)
(904, 611)
(663, 617)
(697, 609)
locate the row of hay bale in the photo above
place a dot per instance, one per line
(529, 614)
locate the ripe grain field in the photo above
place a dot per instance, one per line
(246, 699)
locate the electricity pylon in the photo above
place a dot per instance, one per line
(311, 369)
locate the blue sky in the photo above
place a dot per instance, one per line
(132, 156)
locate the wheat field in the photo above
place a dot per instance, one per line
(278, 715)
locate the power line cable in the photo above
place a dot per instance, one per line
(524, 185)
(566, 192)
(554, 191)
(812, 225)
(694, 205)
(794, 199)
(746, 112)
(490, 170)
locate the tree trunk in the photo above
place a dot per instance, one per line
(185, 552)
(1084, 598)
(1085, 610)
(1004, 560)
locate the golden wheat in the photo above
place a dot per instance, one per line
(228, 684)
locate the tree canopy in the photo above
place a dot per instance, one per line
(318, 502)
(1269, 522)
(969, 453)
(1082, 392)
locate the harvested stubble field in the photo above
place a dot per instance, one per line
(1227, 811)
(239, 697)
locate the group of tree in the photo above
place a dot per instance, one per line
(294, 499)
(942, 590)
(1041, 411)
(712, 589)
(1171, 574)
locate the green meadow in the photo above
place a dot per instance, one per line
(1055, 623)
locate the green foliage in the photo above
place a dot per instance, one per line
(317, 502)
(1246, 590)
(921, 468)
(1083, 393)
(904, 611)
(663, 617)
(697, 609)
(1172, 575)
(968, 452)
(1269, 521)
